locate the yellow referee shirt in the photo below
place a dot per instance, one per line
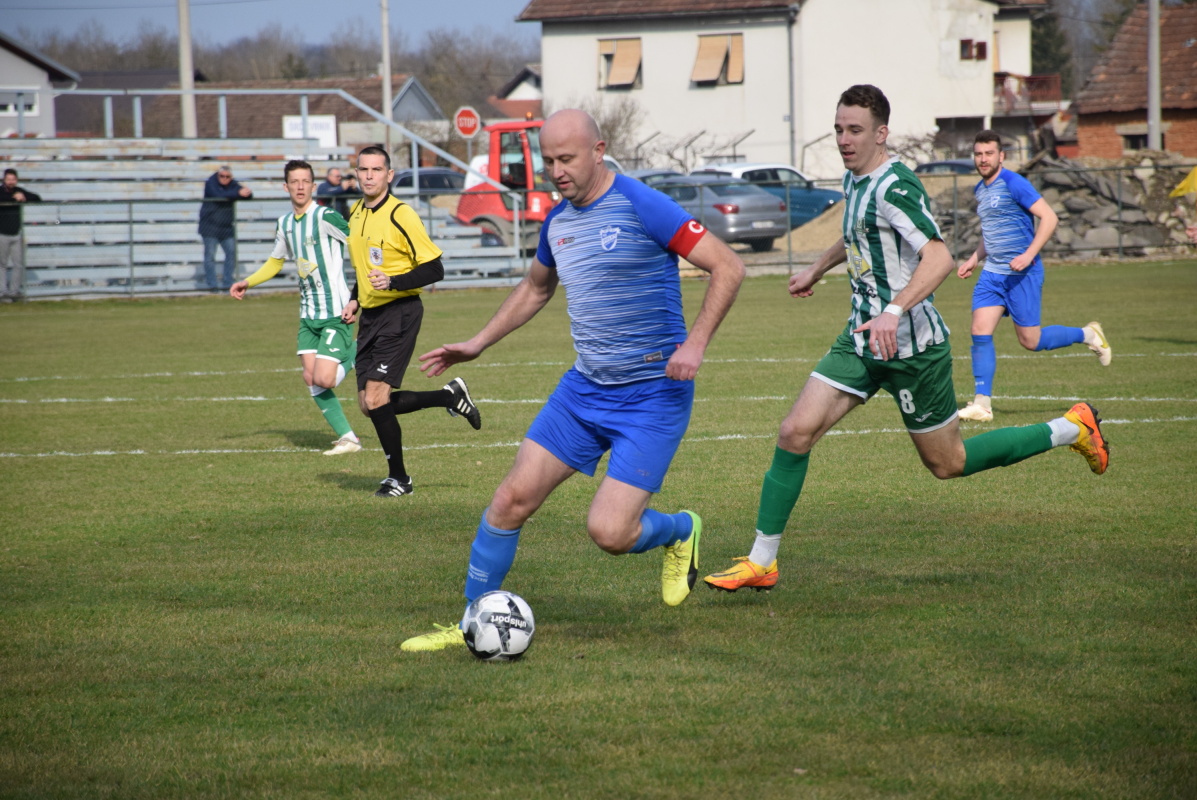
(391, 238)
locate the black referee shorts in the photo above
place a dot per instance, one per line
(386, 340)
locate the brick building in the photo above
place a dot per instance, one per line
(1111, 109)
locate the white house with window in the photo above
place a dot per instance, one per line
(27, 84)
(758, 80)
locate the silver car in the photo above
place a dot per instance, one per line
(732, 209)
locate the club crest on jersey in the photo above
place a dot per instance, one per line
(376, 256)
(608, 237)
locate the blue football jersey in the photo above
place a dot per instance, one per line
(1007, 224)
(622, 288)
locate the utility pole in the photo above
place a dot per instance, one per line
(386, 68)
(186, 72)
(1155, 137)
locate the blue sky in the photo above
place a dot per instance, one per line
(219, 21)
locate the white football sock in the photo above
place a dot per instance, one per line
(764, 549)
(1064, 431)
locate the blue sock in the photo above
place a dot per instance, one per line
(984, 364)
(661, 530)
(1053, 337)
(491, 556)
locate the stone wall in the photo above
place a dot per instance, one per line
(1105, 208)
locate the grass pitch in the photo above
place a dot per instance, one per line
(195, 603)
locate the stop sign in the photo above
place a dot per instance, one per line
(466, 121)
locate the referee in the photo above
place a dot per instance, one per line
(392, 258)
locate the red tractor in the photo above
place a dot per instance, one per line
(512, 158)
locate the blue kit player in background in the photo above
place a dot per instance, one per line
(1011, 283)
(614, 245)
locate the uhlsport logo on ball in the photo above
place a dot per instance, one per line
(498, 626)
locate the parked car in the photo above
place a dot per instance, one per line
(952, 166)
(651, 177)
(431, 180)
(732, 209)
(804, 200)
(613, 165)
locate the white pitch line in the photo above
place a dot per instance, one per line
(507, 445)
(541, 400)
(522, 364)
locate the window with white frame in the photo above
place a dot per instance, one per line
(12, 100)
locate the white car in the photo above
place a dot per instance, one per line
(771, 172)
(804, 199)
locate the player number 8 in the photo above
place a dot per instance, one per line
(906, 401)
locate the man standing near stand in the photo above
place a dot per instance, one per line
(12, 256)
(393, 259)
(333, 190)
(216, 225)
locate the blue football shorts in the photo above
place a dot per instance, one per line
(641, 423)
(1020, 294)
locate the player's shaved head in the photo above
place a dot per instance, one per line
(573, 125)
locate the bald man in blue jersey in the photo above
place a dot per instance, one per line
(614, 244)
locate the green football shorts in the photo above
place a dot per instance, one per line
(921, 385)
(327, 338)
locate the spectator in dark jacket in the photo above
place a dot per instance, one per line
(216, 225)
(12, 260)
(333, 191)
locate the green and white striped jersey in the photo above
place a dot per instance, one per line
(316, 241)
(887, 221)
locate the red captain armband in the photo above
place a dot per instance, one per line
(686, 238)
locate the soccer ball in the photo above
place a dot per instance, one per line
(498, 626)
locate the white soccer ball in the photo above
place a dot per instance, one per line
(498, 626)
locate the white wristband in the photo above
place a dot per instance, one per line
(893, 308)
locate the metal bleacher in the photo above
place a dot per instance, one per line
(119, 216)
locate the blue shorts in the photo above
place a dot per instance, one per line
(641, 423)
(1020, 294)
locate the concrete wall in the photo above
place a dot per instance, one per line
(669, 102)
(17, 73)
(909, 48)
(917, 64)
(1013, 51)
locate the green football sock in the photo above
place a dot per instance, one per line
(780, 490)
(1005, 446)
(330, 407)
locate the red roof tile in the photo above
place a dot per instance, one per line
(546, 10)
(1119, 81)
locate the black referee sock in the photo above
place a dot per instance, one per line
(404, 402)
(390, 436)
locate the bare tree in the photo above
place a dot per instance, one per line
(465, 69)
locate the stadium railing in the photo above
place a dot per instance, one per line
(142, 247)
